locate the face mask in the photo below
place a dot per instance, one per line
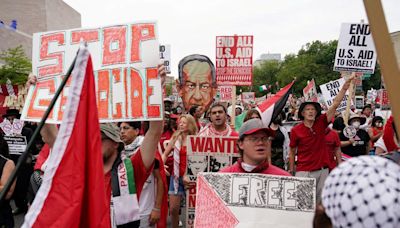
(356, 124)
(379, 124)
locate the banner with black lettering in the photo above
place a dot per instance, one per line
(16, 144)
(356, 50)
(330, 90)
(206, 154)
(254, 200)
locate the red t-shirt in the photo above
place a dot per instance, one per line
(263, 168)
(312, 152)
(166, 135)
(140, 172)
(333, 142)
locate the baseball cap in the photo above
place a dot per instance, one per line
(253, 125)
(111, 131)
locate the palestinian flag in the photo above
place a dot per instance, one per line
(271, 107)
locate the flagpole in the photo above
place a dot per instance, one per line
(24, 156)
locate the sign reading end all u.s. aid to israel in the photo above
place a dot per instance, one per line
(125, 59)
(355, 51)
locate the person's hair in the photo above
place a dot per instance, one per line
(193, 109)
(191, 123)
(338, 124)
(4, 150)
(376, 118)
(134, 124)
(196, 57)
(365, 107)
(218, 104)
(250, 113)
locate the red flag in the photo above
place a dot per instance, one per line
(73, 193)
(271, 107)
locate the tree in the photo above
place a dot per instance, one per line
(16, 66)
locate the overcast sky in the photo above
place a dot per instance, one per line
(278, 26)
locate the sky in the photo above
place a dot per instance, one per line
(278, 26)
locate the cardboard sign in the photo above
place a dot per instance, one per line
(330, 90)
(225, 93)
(355, 51)
(165, 55)
(248, 97)
(254, 200)
(206, 154)
(310, 92)
(359, 102)
(125, 59)
(16, 144)
(234, 60)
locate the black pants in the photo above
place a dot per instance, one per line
(22, 185)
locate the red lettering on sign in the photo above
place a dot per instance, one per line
(63, 99)
(197, 144)
(116, 73)
(192, 201)
(103, 93)
(85, 35)
(153, 110)
(114, 45)
(140, 32)
(42, 101)
(136, 94)
(51, 69)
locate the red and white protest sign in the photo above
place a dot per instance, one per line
(206, 154)
(248, 97)
(225, 93)
(234, 60)
(125, 59)
(384, 101)
(310, 92)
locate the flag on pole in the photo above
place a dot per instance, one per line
(271, 107)
(262, 88)
(73, 192)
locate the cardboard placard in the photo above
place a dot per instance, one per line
(330, 90)
(125, 59)
(206, 154)
(234, 60)
(254, 200)
(310, 92)
(248, 97)
(355, 51)
(225, 93)
(16, 144)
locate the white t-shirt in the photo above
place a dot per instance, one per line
(148, 196)
(381, 144)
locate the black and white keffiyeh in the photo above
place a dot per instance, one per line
(363, 192)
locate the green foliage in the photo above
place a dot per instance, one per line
(16, 66)
(314, 60)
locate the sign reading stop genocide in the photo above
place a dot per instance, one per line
(125, 59)
(234, 60)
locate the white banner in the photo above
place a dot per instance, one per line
(330, 90)
(16, 144)
(165, 55)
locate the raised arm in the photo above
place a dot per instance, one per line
(153, 135)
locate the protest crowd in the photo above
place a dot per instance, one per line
(350, 157)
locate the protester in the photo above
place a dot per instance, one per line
(308, 140)
(361, 192)
(254, 146)
(332, 140)
(218, 125)
(6, 168)
(391, 136)
(151, 198)
(280, 143)
(196, 85)
(177, 145)
(25, 171)
(375, 131)
(130, 136)
(196, 111)
(252, 114)
(359, 144)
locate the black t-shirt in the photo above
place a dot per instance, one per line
(360, 145)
